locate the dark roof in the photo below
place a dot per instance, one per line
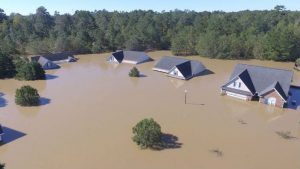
(59, 56)
(185, 69)
(166, 63)
(1, 130)
(275, 86)
(118, 55)
(263, 77)
(134, 56)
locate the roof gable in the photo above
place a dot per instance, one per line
(263, 77)
(118, 56)
(274, 86)
(167, 63)
(185, 69)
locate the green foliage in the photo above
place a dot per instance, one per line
(298, 62)
(134, 72)
(30, 71)
(273, 34)
(183, 43)
(147, 134)
(27, 96)
(7, 68)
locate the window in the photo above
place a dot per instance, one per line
(175, 72)
(240, 84)
(234, 84)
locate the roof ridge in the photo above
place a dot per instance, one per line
(264, 67)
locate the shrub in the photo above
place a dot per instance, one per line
(2, 166)
(134, 72)
(30, 71)
(7, 68)
(298, 62)
(147, 134)
(27, 96)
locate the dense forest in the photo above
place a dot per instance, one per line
(269, 34)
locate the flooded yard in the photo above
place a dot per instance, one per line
(89, 108)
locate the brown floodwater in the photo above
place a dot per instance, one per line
(90, 107)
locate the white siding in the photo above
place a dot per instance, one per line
(113, 59)
(238, 84)
(176, 72)
(239, 96)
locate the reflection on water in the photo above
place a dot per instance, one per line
(89, 107)
(294, 100)
(10, 135)
(3, 101)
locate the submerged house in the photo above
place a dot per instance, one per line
(45, 63)
(60, 57)
(51, 61)
(179, 68)
(268, 85)
(132, 57)
(1, 133)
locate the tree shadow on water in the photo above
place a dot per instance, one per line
(50, 77)
(3, 101)
(10, 135)
(44, 101)
(168, 141)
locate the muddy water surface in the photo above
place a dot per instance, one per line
(89, 108)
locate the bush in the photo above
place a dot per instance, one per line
(134, 72)
(7, 68)
(147, 134)
(2, 166)
(30, 71)
(27, 96)
(298, 62)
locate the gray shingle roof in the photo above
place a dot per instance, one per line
(166, 63)
(263, 77)
(134, 56)
(273, 86)
(59, 56)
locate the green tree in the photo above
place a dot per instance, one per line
(147, 134)
(183, 43)
(7, 68)
(134, 72)
(297, 63)
(30, 71)
(27, 96)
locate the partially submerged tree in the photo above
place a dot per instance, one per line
(147, 134)
(27, 96)
(134, 72)
(30, 71)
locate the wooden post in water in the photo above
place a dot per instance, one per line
(185, 93)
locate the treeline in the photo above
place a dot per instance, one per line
(272, 34)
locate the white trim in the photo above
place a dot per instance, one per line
(235, 95)
(160, 70)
